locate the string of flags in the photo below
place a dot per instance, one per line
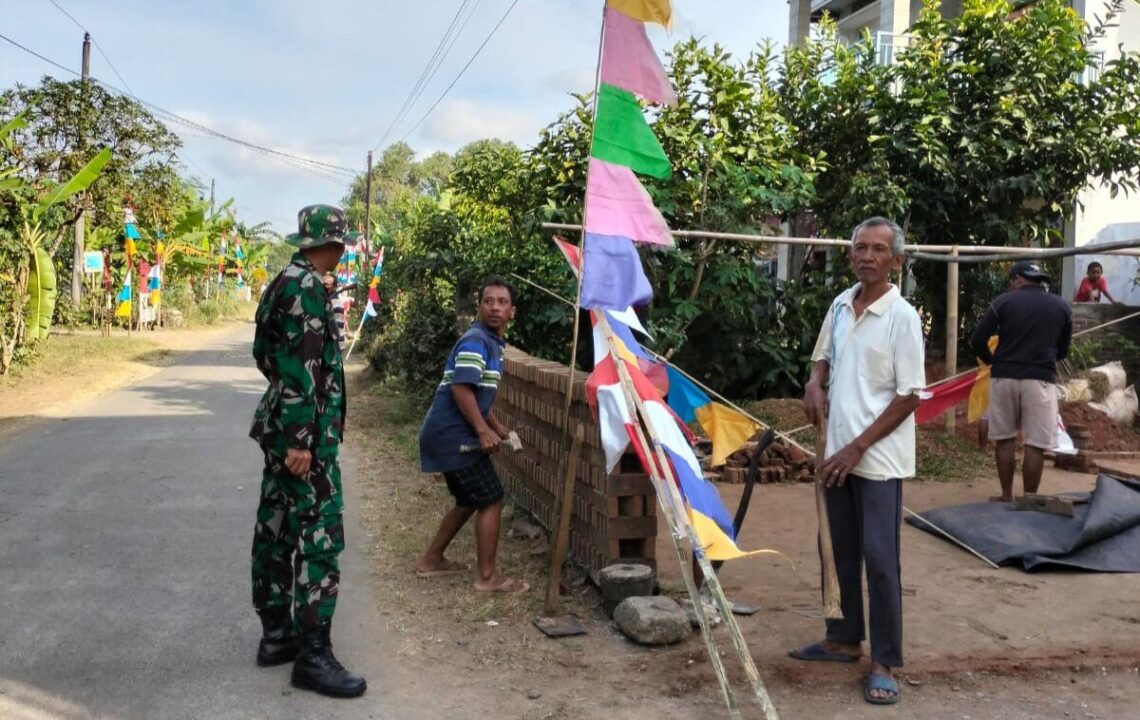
(373, 286)
(618, 213)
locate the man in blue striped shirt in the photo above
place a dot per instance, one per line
(459, 435)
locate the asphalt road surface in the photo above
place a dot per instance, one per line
(125, 530)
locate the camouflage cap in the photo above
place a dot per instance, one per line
(319, 225)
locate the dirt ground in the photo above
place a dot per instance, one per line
(981, 643)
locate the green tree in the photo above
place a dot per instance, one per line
(984, 130)
(68, 122)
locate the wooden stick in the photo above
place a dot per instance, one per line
(673, 506)
(831, 593)
(562, 534)
(953, 539)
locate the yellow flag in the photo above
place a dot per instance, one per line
(655, 11)
(980, 394)
(124, 309)
(727, 428)
(717, 545)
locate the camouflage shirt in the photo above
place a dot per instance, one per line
(297, 351)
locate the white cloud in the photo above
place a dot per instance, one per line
(457, 122)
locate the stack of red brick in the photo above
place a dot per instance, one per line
(780, 462)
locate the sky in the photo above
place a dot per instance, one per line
(325, 80)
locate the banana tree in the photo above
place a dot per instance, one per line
(31, 283)
(42, 290)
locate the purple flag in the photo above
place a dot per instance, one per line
(612, 276)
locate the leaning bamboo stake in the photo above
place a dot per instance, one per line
(669, 510)
(831, 593)
(673, 506)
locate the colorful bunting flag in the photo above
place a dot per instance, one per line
(684, 396)
(612, 277)
(629, 61)
(623, 137)
(570, 252)
(654, 11)
(627, 347)
(707, 513)
(937, 399)
(618, 205)
(727, 428)
(124, 307)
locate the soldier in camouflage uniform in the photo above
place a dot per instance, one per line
(299, 424)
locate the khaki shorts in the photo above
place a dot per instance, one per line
(1026, 405)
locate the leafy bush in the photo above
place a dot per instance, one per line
(414, 341)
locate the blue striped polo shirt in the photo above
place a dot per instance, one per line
(476, 360)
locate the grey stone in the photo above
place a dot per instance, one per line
(652, 620)
(622, 580)
(712, 614)
(522, 529)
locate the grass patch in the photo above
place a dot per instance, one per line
(75, 355)
(949, 458)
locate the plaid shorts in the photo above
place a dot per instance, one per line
(475, 486)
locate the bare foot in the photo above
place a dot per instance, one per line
(501, 583)
(1001, 498)
(443, 566)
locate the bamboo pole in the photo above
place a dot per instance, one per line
(951, 328)
(837, 242)
(670, 511)
(576, 323)
(664, 481)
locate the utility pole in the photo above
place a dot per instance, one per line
(211, 196)
(368, 205)
(80, 226)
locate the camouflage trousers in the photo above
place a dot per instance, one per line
(298, 536)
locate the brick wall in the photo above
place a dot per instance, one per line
(1087, 315)
(615, 516)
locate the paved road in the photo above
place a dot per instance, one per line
(124, 542)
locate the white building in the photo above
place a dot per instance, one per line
(1103, 218)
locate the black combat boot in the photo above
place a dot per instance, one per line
(316, 668)
(278, 643)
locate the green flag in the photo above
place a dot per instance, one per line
(622, 137)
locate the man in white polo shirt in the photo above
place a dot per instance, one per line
(865, 383)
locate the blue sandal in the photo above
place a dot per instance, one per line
(816, 653)
(882, 683)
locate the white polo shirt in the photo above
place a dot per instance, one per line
(872, 359)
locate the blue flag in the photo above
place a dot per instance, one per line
(684, 396)
(612, 276)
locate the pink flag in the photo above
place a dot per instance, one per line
(629, 62)
(618, 205)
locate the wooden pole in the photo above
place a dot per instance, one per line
(673, 507)
(581, 261)
(951, 328)
(831, 592)
(565, 512)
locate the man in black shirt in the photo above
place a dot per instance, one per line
(1034, 329)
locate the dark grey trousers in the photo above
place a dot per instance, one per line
(865, 517)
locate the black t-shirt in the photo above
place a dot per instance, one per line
(1034, 329)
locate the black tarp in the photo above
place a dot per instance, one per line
(1103, 535)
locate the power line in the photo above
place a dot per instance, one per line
(319, 167)
(449, 87)
(421, 82)
(80, 25)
